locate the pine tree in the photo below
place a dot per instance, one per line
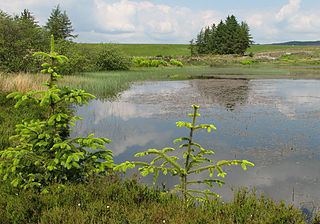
(59, 25)
(227, 37)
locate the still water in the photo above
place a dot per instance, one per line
(273, 123)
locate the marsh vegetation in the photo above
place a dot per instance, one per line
(47, 169)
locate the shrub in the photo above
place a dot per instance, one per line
(138, 60)
(163, 62)
(78, 59)
(248, 61)
(20, 37)
(175, 62)
(110, 57)
(145, 62)
(155, 63)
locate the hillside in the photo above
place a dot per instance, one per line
(299, 43)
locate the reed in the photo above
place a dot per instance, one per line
(22, 82)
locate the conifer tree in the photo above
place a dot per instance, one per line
(227, 37)
(59, 25)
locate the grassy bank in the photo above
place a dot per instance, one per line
(110, 83)
(112, 200)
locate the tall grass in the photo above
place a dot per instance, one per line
(22, 82)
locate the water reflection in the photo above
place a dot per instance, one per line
(273, 123)
(228, 93)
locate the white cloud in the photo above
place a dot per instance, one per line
(290, 22)
(255, 20)
(117, 16)
(150, 22)
(289, 9)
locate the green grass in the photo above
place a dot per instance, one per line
(112, 200)
(178, 50)
(140, 50)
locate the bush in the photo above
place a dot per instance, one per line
(175, 62)
(164, 63)
(155, 63)
(20, 37)
(109, 57)
(248, 61)
(137, 60)
(145, 62)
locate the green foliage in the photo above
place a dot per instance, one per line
(79, 60)
(227, 37)
(44, 154)
(155, 63)
(59, 25)
(10, 116)
(194, 155)
(141, 62)
(113, 200)
(175, 62)
(163, 62)
(109, 57)
(145, 62)
(20, 37)
(248, 61)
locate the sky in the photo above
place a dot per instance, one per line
(177, 21)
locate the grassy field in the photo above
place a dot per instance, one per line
(165, 50)
(178, 50)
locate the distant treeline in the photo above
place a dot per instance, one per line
(21, 36)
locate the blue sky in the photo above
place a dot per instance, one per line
(177, 21)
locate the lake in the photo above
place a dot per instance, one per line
(273, 123)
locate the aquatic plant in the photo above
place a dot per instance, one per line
(194, 155)
(43, 153)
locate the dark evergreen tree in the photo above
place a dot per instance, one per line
(227, 37)
(59, 25)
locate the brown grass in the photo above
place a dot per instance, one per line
(22, 82)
